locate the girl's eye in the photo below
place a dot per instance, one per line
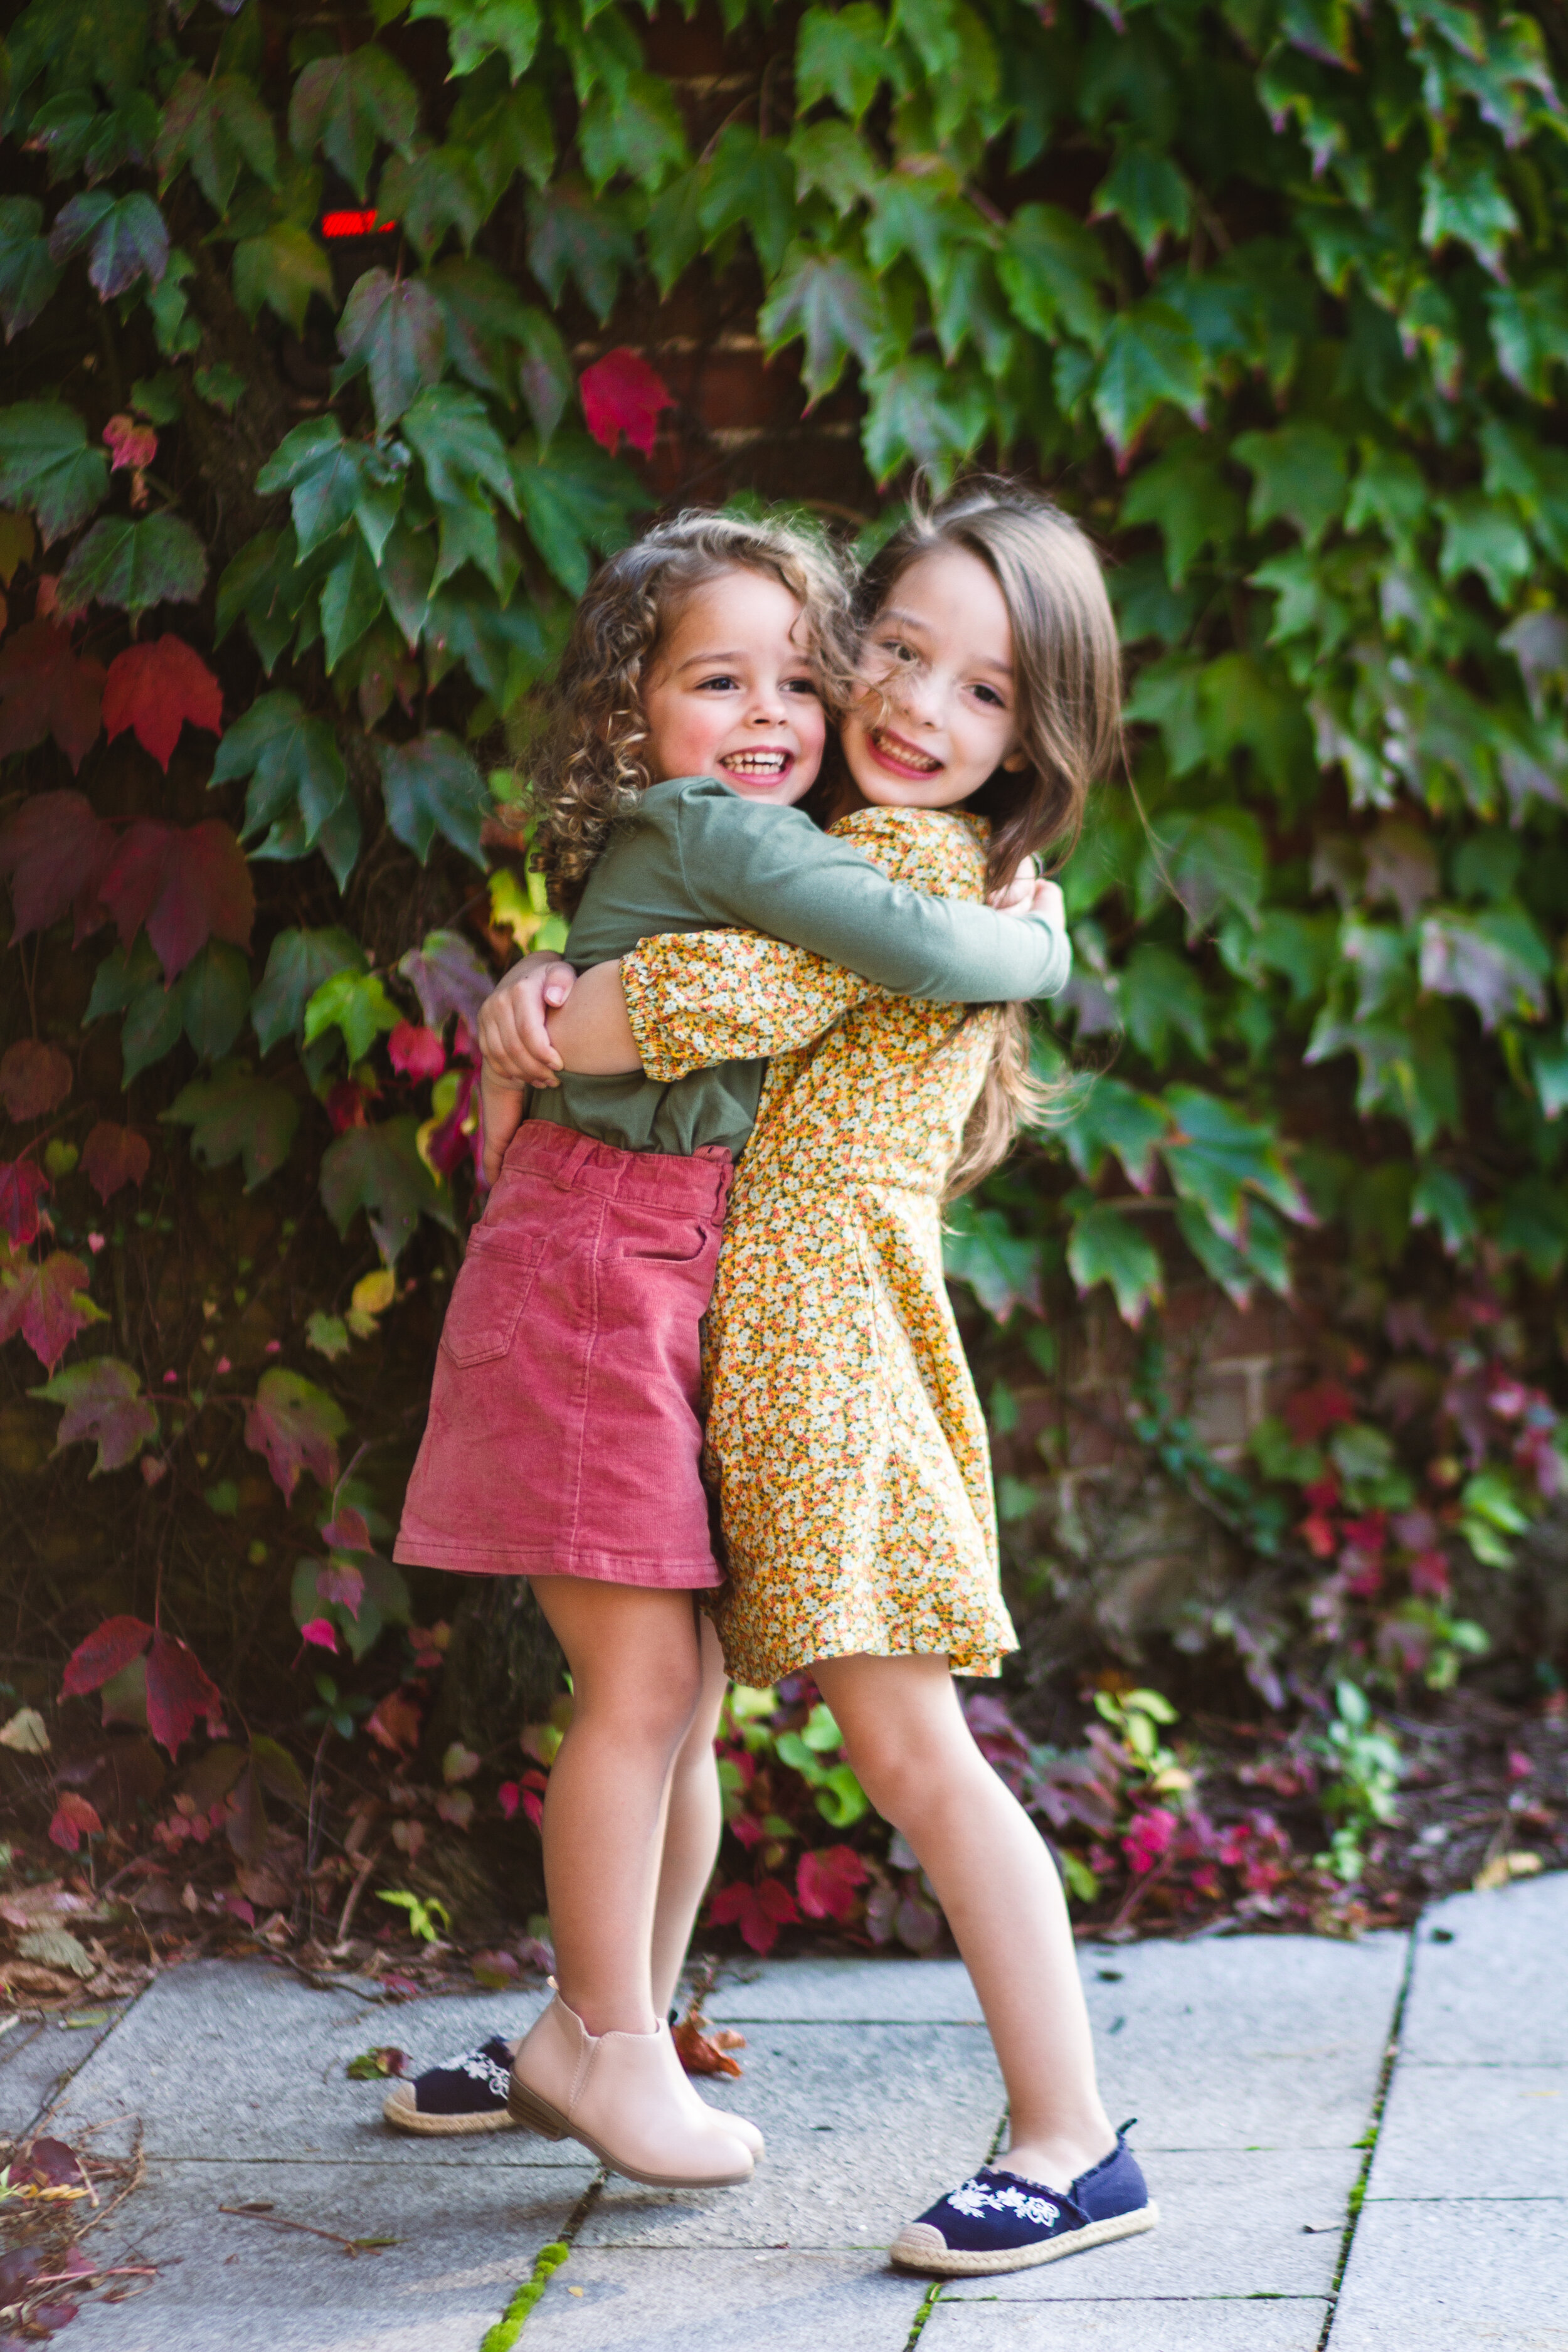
(724, 679)
(989, 694)
(802, 686)
(900, 651)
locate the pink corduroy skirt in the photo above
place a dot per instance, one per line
(564, 1437)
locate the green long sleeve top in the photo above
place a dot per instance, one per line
(697, 857)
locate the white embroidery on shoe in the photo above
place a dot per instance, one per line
(974, 2199)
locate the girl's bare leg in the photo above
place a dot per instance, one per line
(637, 1674)
(906, 1738)
(694, 1820)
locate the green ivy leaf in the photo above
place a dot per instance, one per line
(1463, 200)
(127, 236)
(378, 1168)
(283, 267)
(47, 466)
(350, 599)
(749, 184)
(432, 192)
(1480, 535)
(827, 299)
(1146, 193)
(1106, 1247)
(1150, 356)
(924, 413)
(348, 105)
(475, 28)
(233, 1116)
(215, 997)
(299, 964)
(355, 1004)
(133, 566)
(579, 501)
(1300, 473)
(1185, 492)
(1002, 1267)
(297, 773)
(1053, 268)
(104, 1404)
(845, 54)
(394, 326)
(27, 276)
(431, 786)
(327, 477)
(217, 127)
(637, 131)
(572, 235)
(1114, 1117)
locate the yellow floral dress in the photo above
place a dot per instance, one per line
(844, 1435)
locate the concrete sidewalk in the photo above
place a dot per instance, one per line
(1257, 2066)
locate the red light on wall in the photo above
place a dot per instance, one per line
(355, 225)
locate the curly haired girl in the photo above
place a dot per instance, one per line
(563, 1440)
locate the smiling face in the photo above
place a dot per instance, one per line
(733, 693)
(940, 714)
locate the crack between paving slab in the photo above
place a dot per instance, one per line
(504, 2335)
(933, 2292)
(63, 2082)
(1370, 2137)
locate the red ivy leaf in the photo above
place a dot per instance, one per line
(102, 1400)
(759, 1912)
(178, 1690)
(1310, 1413)
(320, 1634)
(416, 1052)
(113, 1156)
(106, 1652)
(827, 1883)
(621, 393)
(395, 1723)
(342, 1586)
(155, 689)
(54, 850)
(33, 1079)
(21, 1187)
(55, 2166)
(74, 1818)
(130, 445)
(47, 1304)
(46, 691)
(186, 884)
(296, 1425)
(347, 1531)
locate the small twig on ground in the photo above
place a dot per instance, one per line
(351, 2246)
(362, 1879)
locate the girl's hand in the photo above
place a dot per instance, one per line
(512, 1034)
(500, 1116)
(1017, 897)
(1047, 900)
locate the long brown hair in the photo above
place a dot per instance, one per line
(590, 768)
(1068, 672)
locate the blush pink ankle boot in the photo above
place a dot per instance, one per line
(625, 2097)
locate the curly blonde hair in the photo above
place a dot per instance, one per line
(590, 766)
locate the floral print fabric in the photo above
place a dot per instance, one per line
(844, 1436)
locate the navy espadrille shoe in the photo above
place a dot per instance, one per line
(466, 2093)
(997, 2221)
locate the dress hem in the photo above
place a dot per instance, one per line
(594, 1567)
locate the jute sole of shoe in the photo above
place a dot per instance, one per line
(919, 2247)
(403, 2116)
(528, 2108)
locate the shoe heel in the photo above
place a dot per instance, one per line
(524, 2106)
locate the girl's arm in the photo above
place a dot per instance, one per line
(690, 998)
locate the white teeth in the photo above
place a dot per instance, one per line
(910, 759)
(756, 764)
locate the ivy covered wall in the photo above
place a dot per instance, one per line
(338, 347)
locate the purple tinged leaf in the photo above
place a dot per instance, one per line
(448, 977)
(103, 1401)
(378, 1168)
(394, 328)
(431, 786)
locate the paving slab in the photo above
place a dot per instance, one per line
(224, 2059)
(864, 2123)
(603, 2301)
(1206, 2326)
(240, 2283)
(37, 2058)
(1473, 2131)
(1487, 1988)
(845, 1992)
(1229, 2225)
(1479, 2276)
(1243, 2042)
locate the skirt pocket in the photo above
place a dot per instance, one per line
(492, 1290)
